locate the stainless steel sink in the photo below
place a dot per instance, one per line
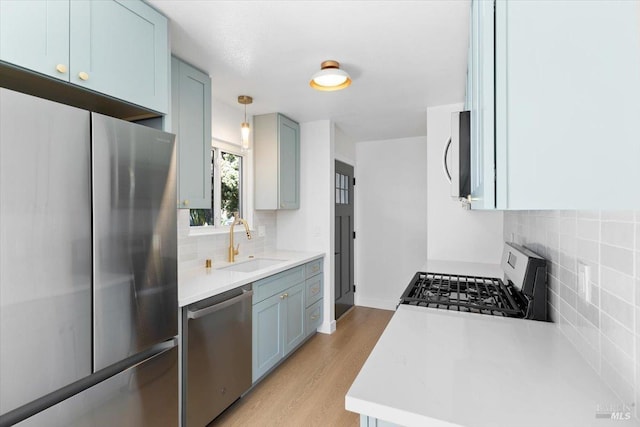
(253, 265)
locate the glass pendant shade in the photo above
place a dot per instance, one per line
(244, 131)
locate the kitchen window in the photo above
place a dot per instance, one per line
(226, 190)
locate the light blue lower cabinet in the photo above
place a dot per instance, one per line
(313, 317)
(267, 335)
(295, 316)
(366, 421)
(287, 309)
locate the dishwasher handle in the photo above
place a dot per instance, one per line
(196, 314)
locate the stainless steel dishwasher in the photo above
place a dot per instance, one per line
(218, 354)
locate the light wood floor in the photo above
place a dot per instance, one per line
(308, 389)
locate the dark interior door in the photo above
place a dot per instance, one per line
(344, 286)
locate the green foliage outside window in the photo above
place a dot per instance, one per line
(230, 188)
(230, 173)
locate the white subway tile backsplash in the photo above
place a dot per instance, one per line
(568, 295)
(568, 278)
(567, 312)
(617, 283)
(589, 214)
(616, 258)
(606, 331)
(627, 216)
(194, 249)
(588, 329)
(618, 309)
(621, 362)
(617, 334)
(618, 233)
(588, 229)
(589, 312)
(587, 250)
(567, 243)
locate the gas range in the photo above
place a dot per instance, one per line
(522, 294)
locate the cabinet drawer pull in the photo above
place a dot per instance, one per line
(83, 76)
(61, 68)
(283, 296)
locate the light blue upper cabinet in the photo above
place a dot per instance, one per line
(567, 91)
(480, 101)
(35, 35)
(120, 48)
(277, 162)
(289, 173)
(566, 88)
(191, 122)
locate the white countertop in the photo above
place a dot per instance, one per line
(204, 283)
(436, 367)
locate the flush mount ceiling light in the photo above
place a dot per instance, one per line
(244, 128)
(330, 77)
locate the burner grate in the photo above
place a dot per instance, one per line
(484, 295)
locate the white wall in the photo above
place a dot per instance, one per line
(391, 218)
(455, 233)
(311, 228)
(225, 121)
(345, 147)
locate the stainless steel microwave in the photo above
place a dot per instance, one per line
(456, 159)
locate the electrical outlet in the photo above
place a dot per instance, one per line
(584, 282)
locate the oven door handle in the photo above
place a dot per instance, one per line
(445, 166)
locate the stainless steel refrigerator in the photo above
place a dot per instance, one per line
(88, 268)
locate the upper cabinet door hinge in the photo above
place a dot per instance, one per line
(354, 181)
(354, 234)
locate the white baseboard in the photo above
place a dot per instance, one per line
(327, 327)
(382, 304)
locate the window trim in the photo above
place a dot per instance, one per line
(218, 145)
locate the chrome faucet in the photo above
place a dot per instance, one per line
(234, 251)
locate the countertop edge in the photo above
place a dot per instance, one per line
(392, 415)
(304, 257)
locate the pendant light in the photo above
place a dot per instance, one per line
(330, 77)
(244, 128)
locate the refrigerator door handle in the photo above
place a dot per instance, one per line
(213, 308)
(25, 411)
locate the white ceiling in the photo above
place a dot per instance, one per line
(403, 56)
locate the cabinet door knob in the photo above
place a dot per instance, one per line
(186, 202)
(83, 76)
(61, 68)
